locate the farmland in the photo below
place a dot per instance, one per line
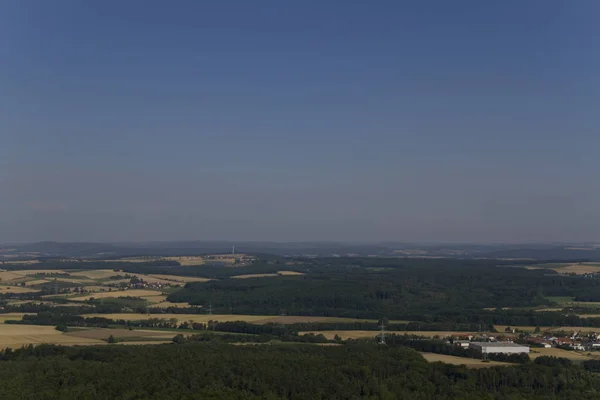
(145, 294)
(15, 336)
(555, 352)
(468, 362)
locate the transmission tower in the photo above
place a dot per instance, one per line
(382, 333)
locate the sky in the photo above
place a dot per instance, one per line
(344, 120)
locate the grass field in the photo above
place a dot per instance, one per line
(468, 362)
(119, 293)
(567, 268)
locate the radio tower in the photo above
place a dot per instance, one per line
(382, 333)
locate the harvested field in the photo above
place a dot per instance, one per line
(181, 317)
(16, 289)
(289, 273)
(178, 279)
(7, 276)
(548, 309)
(468, 362)
(579, 269)
(571, 355)
(103, 334)
(187, 261)
(36, 282)
(293, 319)
(155, 299)
(26, 272)
(15, 336)
(96, 273)
(247, 276)
(118, 293)
(543, 329)
(11, 317)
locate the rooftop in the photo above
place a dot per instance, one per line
(498, 344)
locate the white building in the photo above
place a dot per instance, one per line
(499, 347)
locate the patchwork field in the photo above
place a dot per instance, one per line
(468, 362)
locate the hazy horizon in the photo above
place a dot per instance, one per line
(345, 121)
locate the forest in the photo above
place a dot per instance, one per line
(219, 371)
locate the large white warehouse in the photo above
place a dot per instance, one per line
(499, 347)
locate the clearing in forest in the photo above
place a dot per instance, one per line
(279, 273)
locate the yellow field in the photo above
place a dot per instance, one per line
(289, 273)
(16, 289)
(7, 276)
(247, 276)
(96, 273)
(531, 329)
(176, 278)
(571, 355)
(579, 269)
(118, 293)
(15, 336)
(11, 317)
(181, 317)
(36, 282)
(39, 271)
(187, 261)
(468, 362)
(155, 299)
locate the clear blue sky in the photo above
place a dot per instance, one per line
(300, 120)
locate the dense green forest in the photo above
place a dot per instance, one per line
(442, 291)
(213, 371)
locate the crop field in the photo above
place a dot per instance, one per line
(200, 318)
(15, 336)
(566, 268)
(96, 274)
(178, 279)
(571, 355)
(249, 276)
(118, 293)
(11, 317)
(16, 289)
(468, 362)
(103, 334)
